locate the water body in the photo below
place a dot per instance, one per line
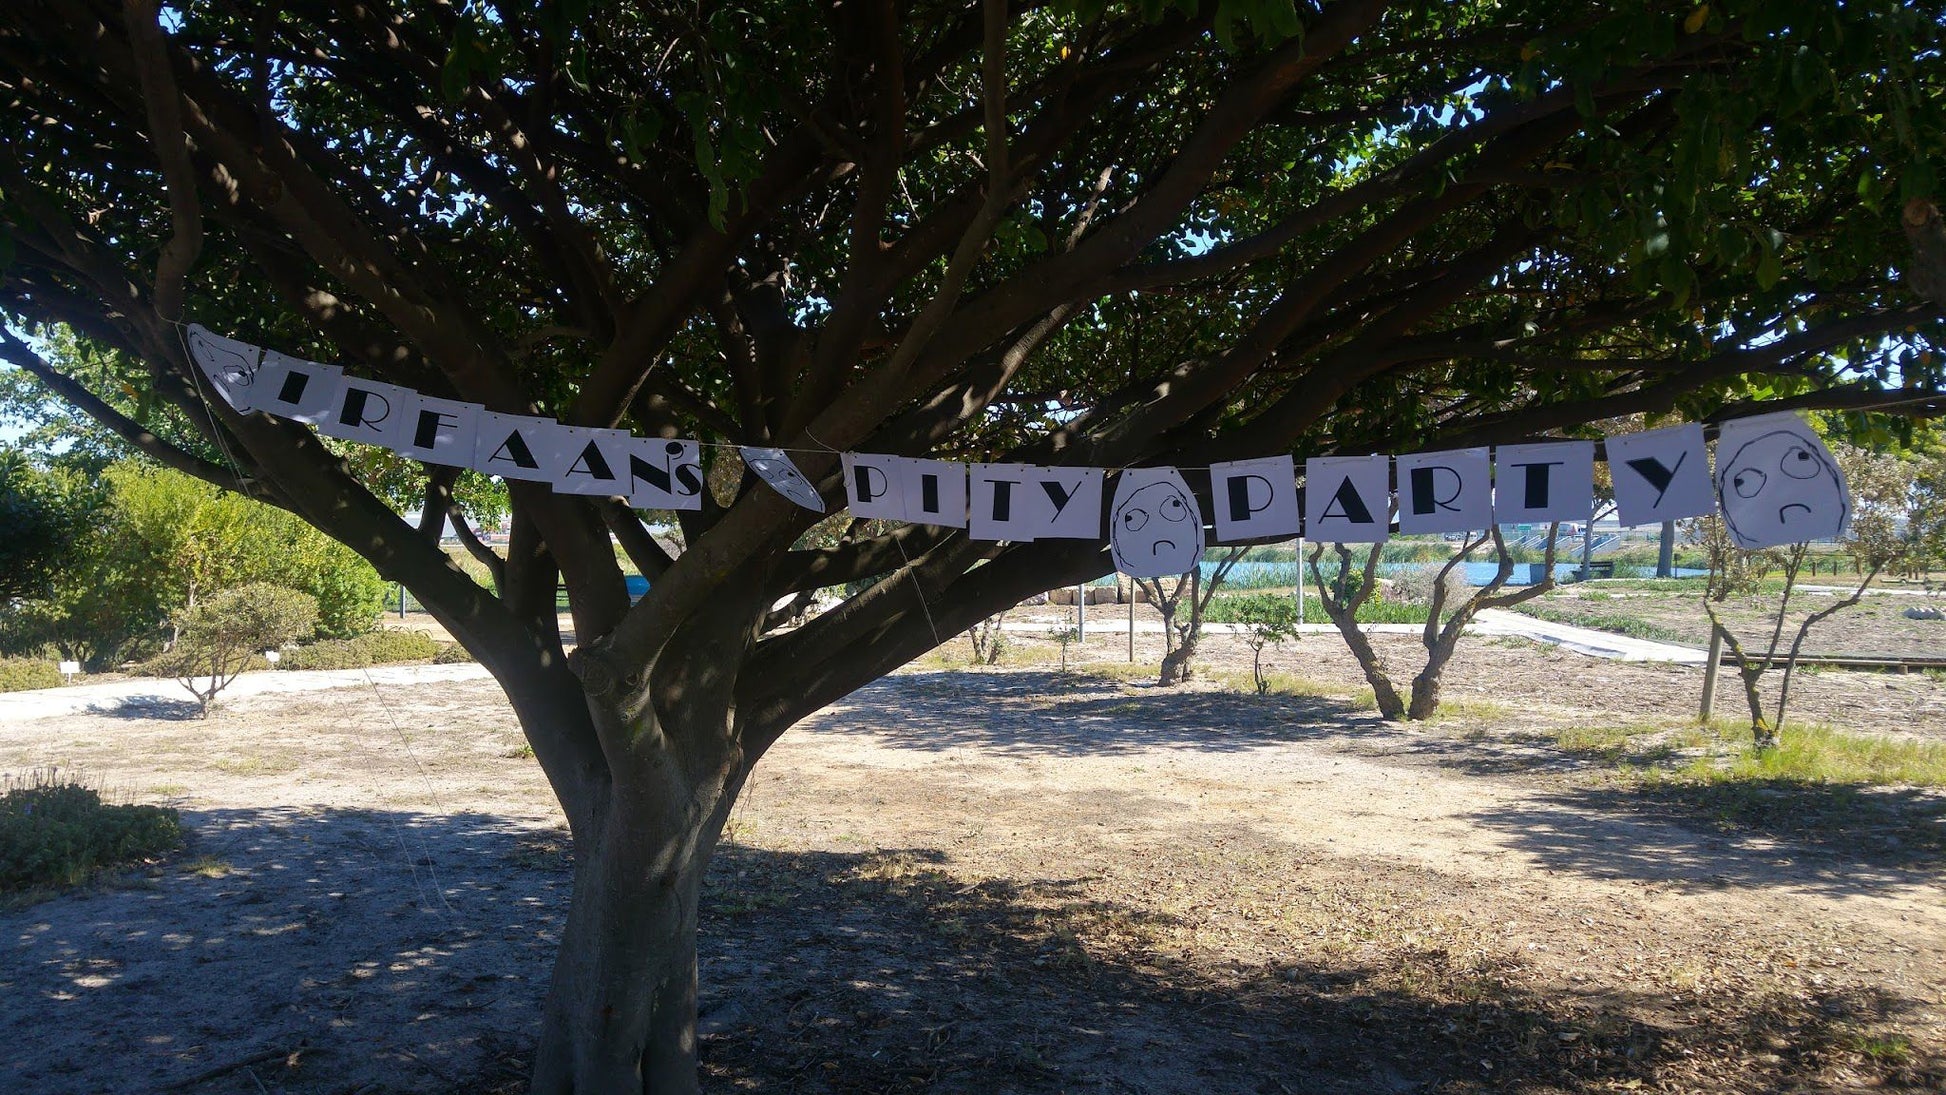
(1249, 573)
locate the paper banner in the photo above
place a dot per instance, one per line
(934, 492)
(1543, 483)
(293, 388)
(1255, 499)
(1448, 491)
(774, 466)
(1661, 475)
(1778, 483)
(229, 365)
(1071, 503)
(999, 505)
(872, 486)
(1155, 528)
(370, 411)
(661, 472)
(1347, 499)
(442, 431)
(512, 446)
(1775, 481)
(585, 460)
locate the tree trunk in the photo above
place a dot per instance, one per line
(1761, 732)
(621, 1008)
(1383, 692)
(1176, 666)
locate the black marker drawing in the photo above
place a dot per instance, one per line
(1779, 487)
(1155, 529)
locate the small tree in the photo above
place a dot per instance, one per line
(1066, 635)
(1737, 573)
(1192, 591)
(1443, 629)
(1267, 620)
(219, 636)
(988, 639)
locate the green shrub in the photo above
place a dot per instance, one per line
(21, 674)
(56, 832)
(377, 648)
(452, 654)
(227, 633)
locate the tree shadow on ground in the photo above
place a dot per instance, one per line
(895, 975)
(312, 951)
(160, 708)
(321, 948)
(1052, 714)
(1829, 838)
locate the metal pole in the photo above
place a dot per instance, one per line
(1300, 580)
(1131, 618)
(1709, 673)
(1081, 614)
(401, 600)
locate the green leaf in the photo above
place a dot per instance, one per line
(1770, 267)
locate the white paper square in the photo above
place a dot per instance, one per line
(585, 460)
(370, 411)
(1449, 491)
(293, 388)
(442, 431)
(935, 492)
(775, 467)
(227, 364)
(1155, 527)
(1552, 481)
(1778, 483)
(1661, 475)
(1070, 500)
(1255, 499)
(874, 486)
(1003, 502)
(512, 446)
(662, 472)
(1347, 499)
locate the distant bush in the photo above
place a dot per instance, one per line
(56, 832)
(226, 634)
(1415, 585)
(452, 654)
(376, 648)
(21, 674)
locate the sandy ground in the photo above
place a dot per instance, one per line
(1005, 880)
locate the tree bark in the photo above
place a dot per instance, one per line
(1176, 664)
(621, 1007)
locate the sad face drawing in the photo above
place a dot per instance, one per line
(1779, 486)
(773, 466)
(1154, 528)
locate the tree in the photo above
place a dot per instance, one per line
(45, 515)
(1069, 233)
(1737, 574)
(219, 637)
(1267, 619)
(159, 541)
(1181, 634)
(1445, 624)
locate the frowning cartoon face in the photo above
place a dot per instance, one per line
(1155, 529)
(1781, 487)
(774, 467)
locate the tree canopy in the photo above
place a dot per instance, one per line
(1075, 232)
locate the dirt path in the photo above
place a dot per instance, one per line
(991, 881)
